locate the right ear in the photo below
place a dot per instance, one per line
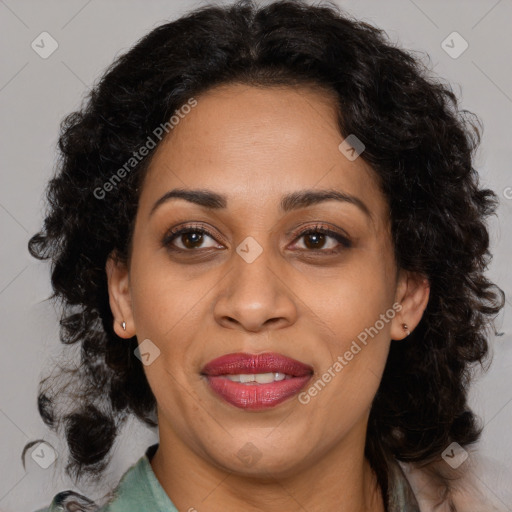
(119, 296)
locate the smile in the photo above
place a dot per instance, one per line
(255, 382)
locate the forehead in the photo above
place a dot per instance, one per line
(255, 144)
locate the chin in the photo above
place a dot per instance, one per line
(261, 458)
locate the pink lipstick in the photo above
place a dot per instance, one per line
(256, 382)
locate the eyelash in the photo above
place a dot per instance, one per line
(176, 232)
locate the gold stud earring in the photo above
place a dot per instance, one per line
(406, 329)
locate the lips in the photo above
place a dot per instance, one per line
(253, 395)
(268, 362)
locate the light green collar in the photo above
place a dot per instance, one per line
(139, 489)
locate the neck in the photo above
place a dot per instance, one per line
(340, 480)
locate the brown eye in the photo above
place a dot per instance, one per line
(190, 238)
(316, 239)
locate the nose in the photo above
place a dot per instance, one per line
(255, 296)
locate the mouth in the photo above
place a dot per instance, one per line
(256, 382)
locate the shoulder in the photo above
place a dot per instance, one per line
(137, 490)
(69, 501)
(480, 484)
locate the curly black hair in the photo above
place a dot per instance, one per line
(418, 142)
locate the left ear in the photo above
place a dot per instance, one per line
(413, 291)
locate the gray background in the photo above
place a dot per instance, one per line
(36, 93)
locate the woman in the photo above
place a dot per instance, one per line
(270, 242)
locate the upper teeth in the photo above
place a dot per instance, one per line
(260, 378)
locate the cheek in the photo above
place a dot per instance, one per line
(355, 298)
(356, 309)
(164, 300)
(349, 377)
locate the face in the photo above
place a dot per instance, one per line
(264, 270)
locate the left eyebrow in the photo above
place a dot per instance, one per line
(304, 198)
(293, 201)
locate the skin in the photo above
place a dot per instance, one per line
(255, 145)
